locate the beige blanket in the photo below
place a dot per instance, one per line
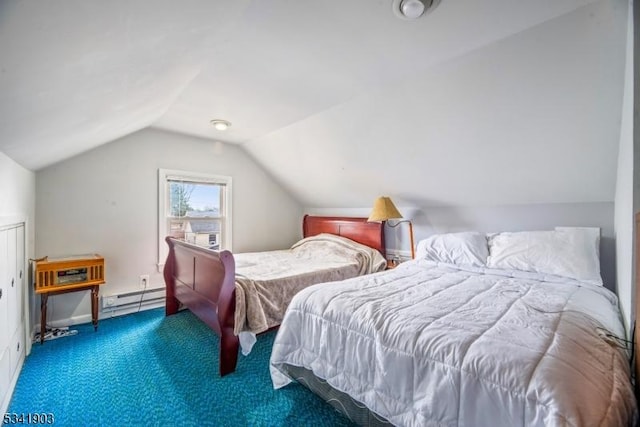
(267, 281)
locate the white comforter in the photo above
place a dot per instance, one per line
(432, 345)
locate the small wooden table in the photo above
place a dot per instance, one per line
(68, 274)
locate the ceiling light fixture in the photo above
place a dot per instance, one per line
(221, 124)
(413, 9)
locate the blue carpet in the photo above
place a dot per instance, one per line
(148, 369)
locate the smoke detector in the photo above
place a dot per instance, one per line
(413, 9)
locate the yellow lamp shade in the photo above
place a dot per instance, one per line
(384, 209)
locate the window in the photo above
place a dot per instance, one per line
(195, 208)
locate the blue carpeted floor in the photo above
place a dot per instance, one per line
(148, 369)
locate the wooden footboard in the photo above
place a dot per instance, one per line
(204, 282)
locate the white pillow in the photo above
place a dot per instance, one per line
(466, 248)
(567, 252)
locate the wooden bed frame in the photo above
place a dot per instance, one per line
(204, 280)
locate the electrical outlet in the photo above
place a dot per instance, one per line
(143, 281)
(108, 301)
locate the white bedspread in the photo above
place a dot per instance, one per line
(432, 345)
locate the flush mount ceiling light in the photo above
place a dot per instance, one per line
(413, 9)
(220, 124)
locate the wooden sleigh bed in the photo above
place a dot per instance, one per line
(203, 280)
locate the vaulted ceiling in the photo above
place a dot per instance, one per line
(478, 102)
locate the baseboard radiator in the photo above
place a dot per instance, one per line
(128, 300)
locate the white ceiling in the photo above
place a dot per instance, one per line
(339, 100)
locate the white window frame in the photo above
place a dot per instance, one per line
(164, 175)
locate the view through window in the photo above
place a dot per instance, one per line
(195, 209)
(195, 213)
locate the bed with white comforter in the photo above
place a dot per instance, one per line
(435, 344)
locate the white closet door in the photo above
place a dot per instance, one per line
(5, 374)
(17, 344)
(13, 311)
(5, 333)
(12, 307)
(20, 274)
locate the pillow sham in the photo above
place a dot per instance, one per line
(566, 251)
(465, 248)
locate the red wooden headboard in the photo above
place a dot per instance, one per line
(357, 229)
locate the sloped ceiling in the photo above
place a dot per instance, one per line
(477, 102)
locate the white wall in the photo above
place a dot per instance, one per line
(624, 221)
(533, 118)
(18, 203)
(17, 190)
(433, 220)
(105, 201)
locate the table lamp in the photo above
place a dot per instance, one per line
(384, 210)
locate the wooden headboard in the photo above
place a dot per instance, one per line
(357, 229)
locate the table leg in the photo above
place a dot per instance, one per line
(43, 316)
(94, 306)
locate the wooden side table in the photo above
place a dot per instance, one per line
(69, 274)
